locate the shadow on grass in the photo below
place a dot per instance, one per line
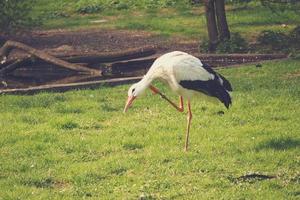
(48, 182)
(132, 146)
(280, 144)
(251, 178)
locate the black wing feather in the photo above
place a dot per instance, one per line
(226, 84)
(211, 88)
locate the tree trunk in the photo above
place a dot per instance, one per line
(223, 29)
(211, 25)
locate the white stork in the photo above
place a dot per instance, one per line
(187, 76)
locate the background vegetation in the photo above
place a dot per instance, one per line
(164, 17)
(15, 14)
(248, 20)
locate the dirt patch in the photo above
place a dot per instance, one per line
(97, 41)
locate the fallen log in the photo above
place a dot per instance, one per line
(9, 45)
(66, 87)
(140, 66)
(233, 59)
(137, 67)
(129, 67)
(111, 57)
(94, 59)
(72, 79)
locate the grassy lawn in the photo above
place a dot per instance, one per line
(79, 144)
(182, 20)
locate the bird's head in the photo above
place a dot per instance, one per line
(134, 91)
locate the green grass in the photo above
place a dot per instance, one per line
(79, 144)
(178, 20)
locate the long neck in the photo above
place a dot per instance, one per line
(145, 82)
(148, 78)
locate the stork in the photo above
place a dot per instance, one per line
(188, 77)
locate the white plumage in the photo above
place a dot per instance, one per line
(187, 76)
(175, 66)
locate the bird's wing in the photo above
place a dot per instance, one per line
(190, 68)
(191, 74)
(224, 82)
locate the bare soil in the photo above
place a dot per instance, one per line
(98, 41)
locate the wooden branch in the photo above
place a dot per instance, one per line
(70, 86)
(140, 66)
(112, 57)
(91, 60)
(11, 67)
(4, 63)
(71, 79)
(9, 45)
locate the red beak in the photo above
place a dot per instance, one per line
(129, 103)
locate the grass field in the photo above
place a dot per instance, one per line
(180, 20)
(79, 144)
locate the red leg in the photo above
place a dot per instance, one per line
(181, 108)
(189, 119)
(156, 91)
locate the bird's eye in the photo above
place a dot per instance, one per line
(133, 90)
